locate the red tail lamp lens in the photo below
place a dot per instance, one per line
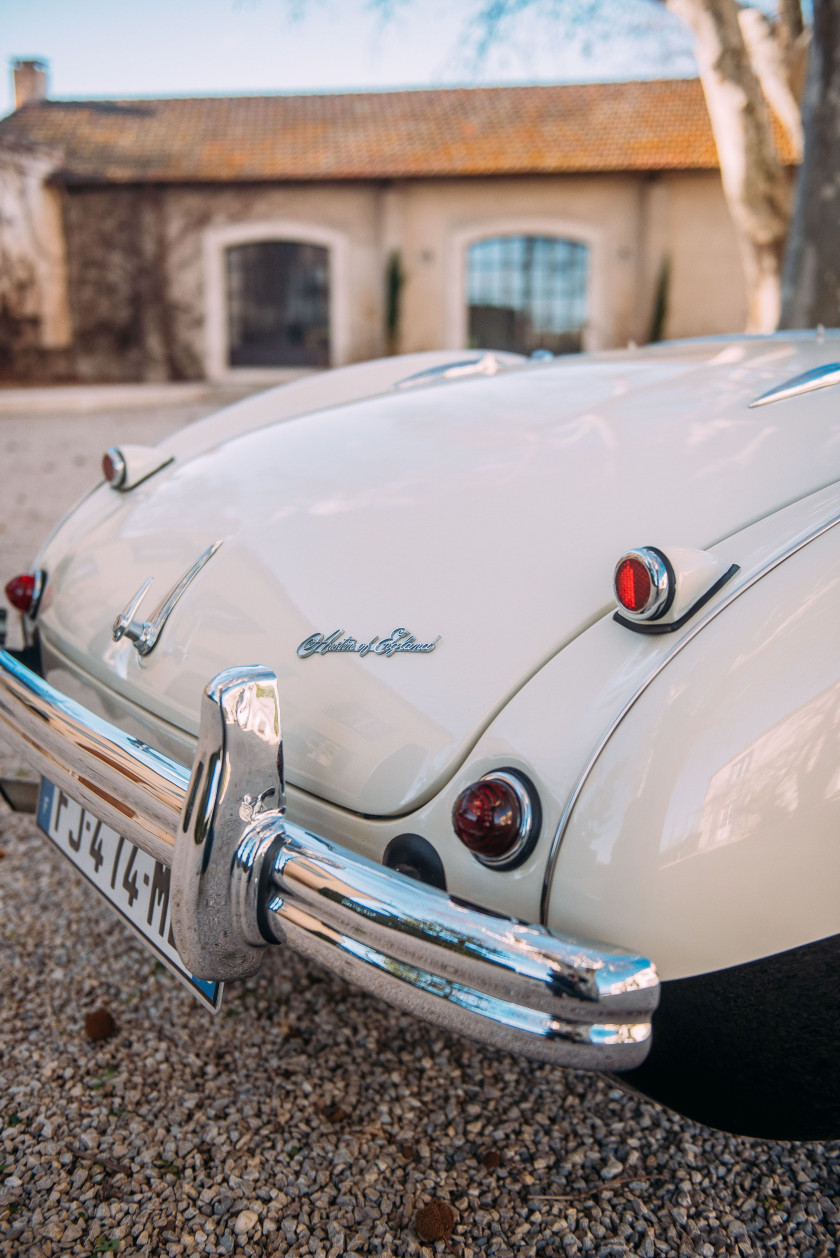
(633, 585)
(20, 592)
(487, 818)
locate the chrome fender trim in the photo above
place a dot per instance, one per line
(245, 877)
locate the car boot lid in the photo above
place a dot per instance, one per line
(405, 564)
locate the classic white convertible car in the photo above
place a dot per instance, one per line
(509, 690)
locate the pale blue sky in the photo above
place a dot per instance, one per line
(207, 47)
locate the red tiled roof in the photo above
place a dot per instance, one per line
(638, 126)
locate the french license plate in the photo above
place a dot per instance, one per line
(132, 882)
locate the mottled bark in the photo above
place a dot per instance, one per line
(768, 54)
(811, 289)
(791, 25)
(794, 40)
(754, 182)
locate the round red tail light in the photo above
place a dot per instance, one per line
(644, 584)
(497, 819)
(632, 584)
(23, 592)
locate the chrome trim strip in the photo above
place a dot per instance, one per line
(807, 382)
(145, 633)
(357, 896)
(244, 877)
(486, 364)
(28, 619)
(131, 787)
(733, 593)
(40, 581)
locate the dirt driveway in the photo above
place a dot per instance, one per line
(307, 1118)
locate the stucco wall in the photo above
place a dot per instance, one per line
(440, 219)
(707, 293)
(634, 226)
(346, 217)
(147, 279)
(140, 278)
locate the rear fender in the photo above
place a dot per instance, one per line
(706, 832)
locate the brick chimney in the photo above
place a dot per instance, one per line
(30, 79)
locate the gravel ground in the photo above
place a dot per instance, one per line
(307, 1118)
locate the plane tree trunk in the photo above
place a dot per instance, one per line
(811, 289)
(754, 181)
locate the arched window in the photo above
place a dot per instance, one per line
(278, 294)
(526, 293)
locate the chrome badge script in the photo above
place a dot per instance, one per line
(398, 641)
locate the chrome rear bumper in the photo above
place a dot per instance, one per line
(244, 876)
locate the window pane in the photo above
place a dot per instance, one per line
(278, 304)
(526, 293)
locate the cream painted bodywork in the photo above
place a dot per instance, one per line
(491, 512)
(708, 825)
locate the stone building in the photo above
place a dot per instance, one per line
(233, 236)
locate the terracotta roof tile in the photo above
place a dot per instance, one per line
(646, 125)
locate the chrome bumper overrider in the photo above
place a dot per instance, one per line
(244, 876)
